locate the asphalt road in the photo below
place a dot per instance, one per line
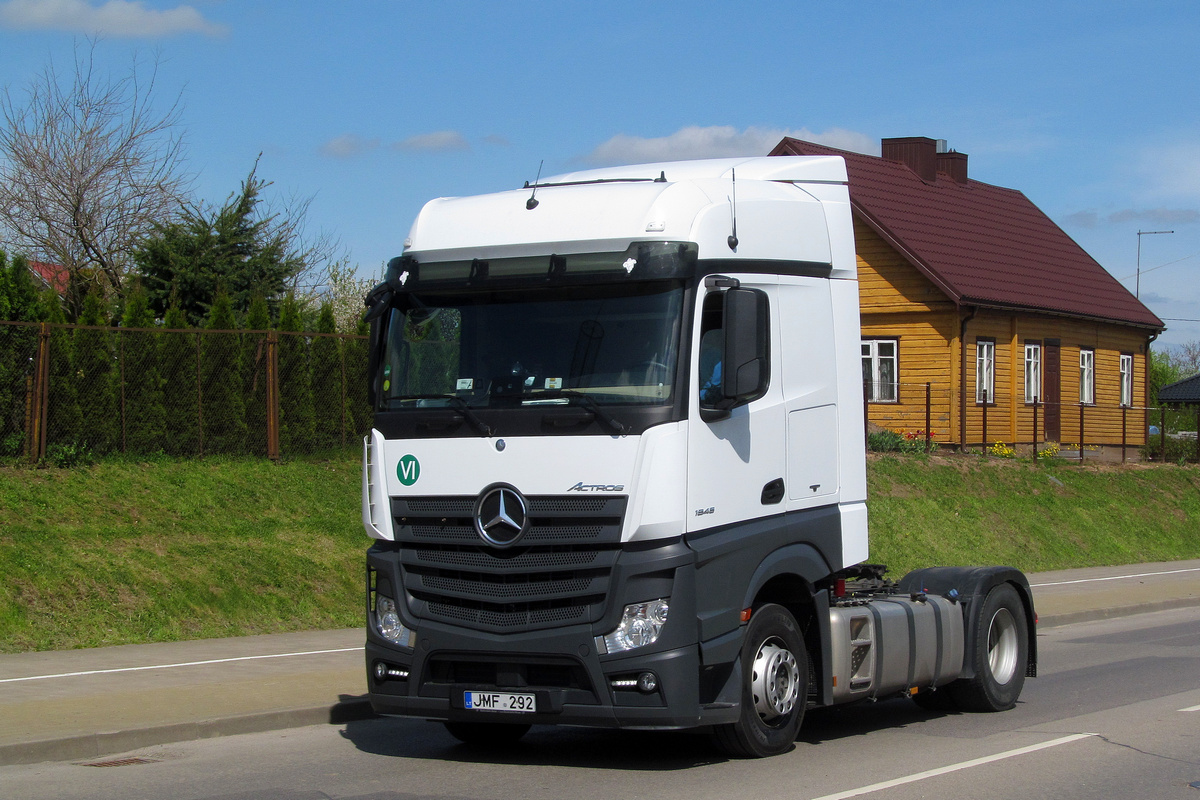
(1114, 714)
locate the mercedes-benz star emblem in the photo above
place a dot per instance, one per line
(501, 516)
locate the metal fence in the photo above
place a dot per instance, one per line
(180, 392)
(932, 413)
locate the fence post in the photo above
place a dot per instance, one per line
(199, 401)
(1035, 428)
(928, 417)
(1081, 408)
(1162, 433)
(273, 395)
(42, 392)
(985, 405)
(866, 416)
(342, 361)
(1124, 415)
(121, 360)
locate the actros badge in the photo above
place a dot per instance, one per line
(501, 515)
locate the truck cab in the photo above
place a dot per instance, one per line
(616, 475)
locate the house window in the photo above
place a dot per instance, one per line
(880, 370)
(1033, 372)
(1087, 376)
(1126, 380)
(985, 372)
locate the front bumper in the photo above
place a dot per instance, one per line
(559, 664)
(562, 670)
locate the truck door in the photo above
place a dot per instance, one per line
(736, 448)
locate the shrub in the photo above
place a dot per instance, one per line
(1178, 450)
(896, 442)
(71, 454)
(1001, 450)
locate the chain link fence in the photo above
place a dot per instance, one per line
(179, 392)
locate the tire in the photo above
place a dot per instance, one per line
(998, 655)
(774, 689)
(487, 734)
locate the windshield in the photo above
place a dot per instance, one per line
(616, 344)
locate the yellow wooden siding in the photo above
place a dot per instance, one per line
(1012, 419)
(888, 282)
(898, 302)
(924, 356)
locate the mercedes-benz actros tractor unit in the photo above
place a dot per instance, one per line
(617, 475)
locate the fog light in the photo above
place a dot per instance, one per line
(641, 624)
(386, 672)
(647, 682)
(388, 624)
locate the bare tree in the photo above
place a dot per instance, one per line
(87, 167)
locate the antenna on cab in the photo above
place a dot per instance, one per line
(733, 240)
(532, 202)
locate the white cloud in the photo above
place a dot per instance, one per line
(113, 18)
(1082, 219)
(436, 142)
(719, 141)
(497, 140)
(348, 145)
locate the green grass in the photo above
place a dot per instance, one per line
(124, 552)
(969, 510)
(134, 551)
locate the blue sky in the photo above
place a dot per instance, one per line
(1092, 109)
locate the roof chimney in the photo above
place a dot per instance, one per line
(953, 164)
(918, 153)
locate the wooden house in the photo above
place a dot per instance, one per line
(970, 295)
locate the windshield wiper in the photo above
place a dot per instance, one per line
(460, 405)
(588, 402)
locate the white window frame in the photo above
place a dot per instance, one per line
(1087, 376)
(1033, 372)
(985, 372)
(1127, 380)
(874, 369)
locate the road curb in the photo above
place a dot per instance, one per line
(1092, 614)
(94, 745)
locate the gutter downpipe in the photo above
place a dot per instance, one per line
(962, 400)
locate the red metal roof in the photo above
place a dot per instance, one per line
(981, 244)
(52, 275)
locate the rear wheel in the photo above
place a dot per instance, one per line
(487, 733)
(998, 655)
(774, 687)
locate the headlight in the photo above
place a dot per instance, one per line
(388, 624)
(641, 624)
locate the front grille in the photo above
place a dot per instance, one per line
(558, 573)
(534, 672)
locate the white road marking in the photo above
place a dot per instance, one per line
(172, 666)
(1193, 708)
(1117, 577)
(975, 762)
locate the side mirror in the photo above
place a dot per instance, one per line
(377, 302)
(747, 324)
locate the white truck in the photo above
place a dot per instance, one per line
(617, 473)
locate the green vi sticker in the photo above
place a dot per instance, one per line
(408, 470)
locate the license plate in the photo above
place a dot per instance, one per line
(499, 701)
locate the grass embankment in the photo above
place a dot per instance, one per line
(959, 510)
(126, 552)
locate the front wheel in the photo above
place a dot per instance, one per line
(998, 656)
(774, 687)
